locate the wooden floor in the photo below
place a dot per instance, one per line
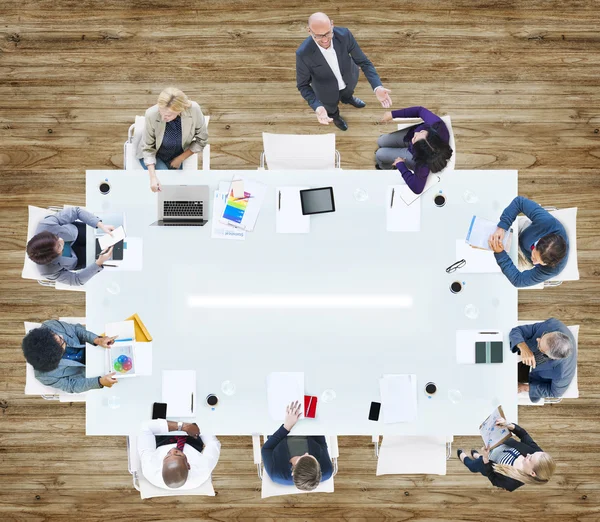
(521, 82)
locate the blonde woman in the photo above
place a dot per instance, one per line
(513, 463)
(175, 129)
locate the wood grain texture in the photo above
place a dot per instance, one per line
(520, 80)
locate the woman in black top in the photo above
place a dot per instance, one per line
(512, 463)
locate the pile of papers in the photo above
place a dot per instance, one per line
(398, 398)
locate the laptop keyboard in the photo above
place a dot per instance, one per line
(183, 209)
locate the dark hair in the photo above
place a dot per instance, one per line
(432, 151)
(552, 249)
(42, 350)
(41, 248)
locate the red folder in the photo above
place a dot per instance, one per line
(310, 406)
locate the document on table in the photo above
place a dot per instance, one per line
(480, 231)
(398, 398)
(254, 193)
(289, 218)
(491, 434)
(478, 261)
(466, 339)
(179, 392)
(221, 230)
(408, 196)
(401, 217)
(284, 388)
(122, 329)
(108, 240)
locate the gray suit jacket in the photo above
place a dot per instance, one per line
(315, 79)
(552, 378)
(70, 375)
(61, 224)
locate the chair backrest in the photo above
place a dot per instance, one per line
(36, 214)
(412, 455)
(568, 219)
(293, 151)
(148, 490)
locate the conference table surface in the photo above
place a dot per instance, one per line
(348, 258)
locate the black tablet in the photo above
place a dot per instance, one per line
(317, 201)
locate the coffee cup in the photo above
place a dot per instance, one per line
(439, 200)
(104, 187)
(430, 388)
(212, 400)
(456, 287)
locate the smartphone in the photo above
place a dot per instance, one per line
(159, 410)
(374, 411)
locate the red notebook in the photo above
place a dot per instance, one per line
(310, 406)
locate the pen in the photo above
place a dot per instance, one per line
(279, 203)
(489, 333)
(123, 340)
(192, 404)
(112, 266)
(392, 201)
(309, 405)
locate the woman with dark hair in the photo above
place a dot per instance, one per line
(59, 246)
(415, 151)
(543, 245)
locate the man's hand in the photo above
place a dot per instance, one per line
(322, 116)
(105, 342)
(398, 160)
(104, 256)
(176, 162)
(522, 388)
(191, 429)
(495, 246)
(155, 184)
(106, 228)
(292, 414)
(108, 380)
(527, 356)
(387, 116)
(498, 235)
(383, 95)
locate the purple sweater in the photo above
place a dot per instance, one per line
(416, 181)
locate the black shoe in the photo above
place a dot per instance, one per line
(377, 167)
(340, 123)
(355, 102)
(459, 452)
(473, 456)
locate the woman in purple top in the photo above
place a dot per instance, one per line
(415, 151)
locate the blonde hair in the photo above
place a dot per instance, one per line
(307, 473)
(544, 470)
(173, 99)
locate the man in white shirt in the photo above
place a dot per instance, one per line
(183, 460)
(327, 71)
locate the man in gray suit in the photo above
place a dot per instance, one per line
(56, 350)
(327, 71)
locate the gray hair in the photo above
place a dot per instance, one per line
(559, 345)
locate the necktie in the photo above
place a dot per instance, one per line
(180, 441)
(532, 247)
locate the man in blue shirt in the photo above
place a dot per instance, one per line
(549, 349)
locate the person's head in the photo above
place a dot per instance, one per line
(306, 473)
(175, 468)
(43, 349)
(320, 27)
(555, 345)
(171, 103)
(537, 468)
(549, 250)
(430, 149)
(44, 247)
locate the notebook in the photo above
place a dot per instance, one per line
(480, 231)
(408, 196)
(179, 392)
(491, 434)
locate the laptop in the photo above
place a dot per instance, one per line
(182, 206)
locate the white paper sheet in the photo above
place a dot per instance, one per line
(143, 358)
(284, 388)
(289, 218)
(179, 392)
(398, 398)
(401, 217)
(408, 196)
(108, 240)
(258, 191)
(221, 230)
(133, 255)
(122, 329)
(478, 261)
(480, 230)
(466, 339)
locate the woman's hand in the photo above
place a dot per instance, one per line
(292, 414)
(155, 184)
(398, 160)
(501, 423)
(387, 116)
(176, 162)
(485, 453)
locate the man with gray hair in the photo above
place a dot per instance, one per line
(548, 358)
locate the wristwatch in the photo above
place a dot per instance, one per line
(180, 426)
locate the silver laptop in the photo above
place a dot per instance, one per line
(182, 206)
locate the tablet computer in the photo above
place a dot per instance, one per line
(317, 201)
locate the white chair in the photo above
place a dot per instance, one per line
(35, 387)
(271, 489)
(295, 151)
(134, 136)
(568, 219)
(148, 490)
(572, 392)
(410, 122)
(411, 455)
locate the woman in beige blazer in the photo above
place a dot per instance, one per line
(175, 129)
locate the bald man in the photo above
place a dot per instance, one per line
(327, 71)
(183, 460)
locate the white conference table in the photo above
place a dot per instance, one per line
(347, 254)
